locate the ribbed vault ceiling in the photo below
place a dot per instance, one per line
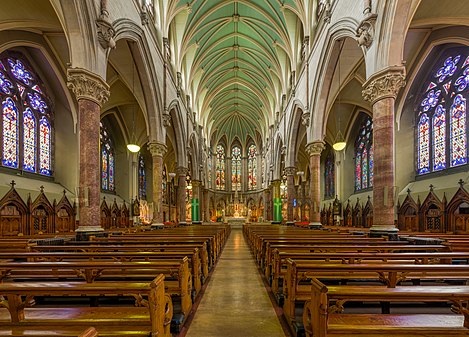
(235, 59)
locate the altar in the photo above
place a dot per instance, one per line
(235, 222)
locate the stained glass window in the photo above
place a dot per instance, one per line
(107, 161)
(329, 176)
(220, 168)
(441, 114)
(29, 141)
(236, 168)
(252, 167)
(142, 178)
(364, 156)
(26, 117)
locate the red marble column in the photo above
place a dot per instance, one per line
(267, 205)
(181, 173)
(314, 150)
(290, 172)
(206, 206)
(91, 92)
(157, 151)
(381, 90)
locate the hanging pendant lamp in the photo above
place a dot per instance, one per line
(339, 141)
(132, 146)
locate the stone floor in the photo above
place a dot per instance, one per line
(235, 303)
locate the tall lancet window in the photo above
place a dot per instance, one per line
(441, 137)
(142, 178)
(220, 168)
(364, 156)
(26, 117)
(107, 161)
(236, 168)
(329, 176)
(252, 167)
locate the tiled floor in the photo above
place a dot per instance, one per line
(235, 303)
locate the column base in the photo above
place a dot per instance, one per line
(389, 231)
(290, 223)
(315, 225)
(83, 233)
(198, 222)
(183, 223)
(157, 225)
(276, 222)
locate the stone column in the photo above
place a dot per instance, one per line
(277, 202)
(290, 172)
(228, 182)
(314, 150)
(195, 202)
(91, 92)
(381, 90)
(206, 206)
(181, 173)
(157, 151)
(267, 205)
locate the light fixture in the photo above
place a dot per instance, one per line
(132, 146)
(339, 141)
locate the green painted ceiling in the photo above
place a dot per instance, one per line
(236, 59)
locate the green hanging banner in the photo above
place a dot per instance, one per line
(277, 210)
(195, 210)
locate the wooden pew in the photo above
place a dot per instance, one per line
(90, 271)
(323, 314)
(388, 274)
(279, 260)
(203, 254)
(152, 316)
(193, 258)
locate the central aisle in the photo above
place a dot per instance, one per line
(235, 303)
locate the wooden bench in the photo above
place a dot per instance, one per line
(178, 283)
(324, 316)
(279, 260)
(144, 248)
(152, 315)
(390, 275)
(129, 256)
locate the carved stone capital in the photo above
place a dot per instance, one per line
(157, 149)
(181, 171)
(144, 17)
(384, 84)
(305, 117)
(315, 148)
(196, 183)
(366, 31)
(166, 118)
(290, 171)
(87, 85)
(105, 29)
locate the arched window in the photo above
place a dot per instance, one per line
(220, 168)
(236, 168)
(107, 161)
(441, 114)
(329, 176)
(26, 117)
(364, 156)
(252, 167)
(142, 178)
